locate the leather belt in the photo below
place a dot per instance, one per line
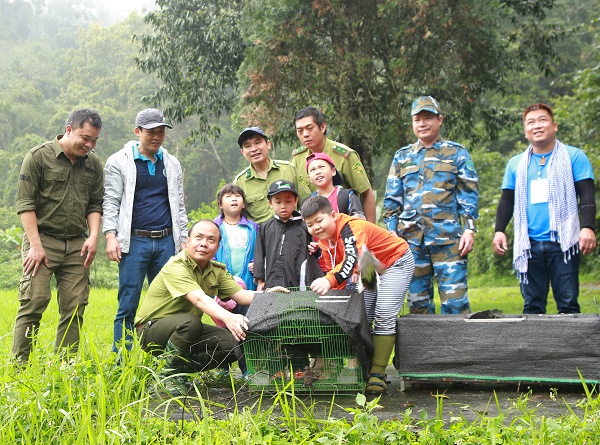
(152, 233)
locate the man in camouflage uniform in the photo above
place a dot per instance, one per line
(311, 130)
(431, 185)
(256, 178)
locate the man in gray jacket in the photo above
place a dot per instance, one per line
(145, 222)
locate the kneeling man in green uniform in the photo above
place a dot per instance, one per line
(169, 321)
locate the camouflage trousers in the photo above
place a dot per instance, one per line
(450, 271)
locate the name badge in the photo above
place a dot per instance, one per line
(539, 191)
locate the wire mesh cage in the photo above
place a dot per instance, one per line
(305, 346)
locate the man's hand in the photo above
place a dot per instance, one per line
(34, 257)
(499, 243)
(90, 246)
(321, 286)
(587, 240)
(237, 325)
(113, 250)
(260, 285)
(467, 241)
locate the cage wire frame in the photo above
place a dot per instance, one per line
(303, 347)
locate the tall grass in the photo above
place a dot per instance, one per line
(89, 398)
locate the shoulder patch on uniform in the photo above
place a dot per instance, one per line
(246, 172)
(358, 168)
(345, 152)
(299, 150)
(469, 165)
(216, 263)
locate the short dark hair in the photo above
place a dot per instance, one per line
(205, 220)
(315, 204)
(230, 189)
(313, 112)
(78, 118)
(539, 106)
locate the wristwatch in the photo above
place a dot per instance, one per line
(471, 231)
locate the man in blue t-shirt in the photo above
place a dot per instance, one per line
(541, 187)
(145, 222)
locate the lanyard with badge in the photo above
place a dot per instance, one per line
(539, 186)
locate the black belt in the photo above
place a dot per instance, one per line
(152, 233)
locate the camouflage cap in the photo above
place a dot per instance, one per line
(425, 103)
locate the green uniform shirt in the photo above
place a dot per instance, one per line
(347, 162)
(256, 188)
(180, 276)
(61, 194)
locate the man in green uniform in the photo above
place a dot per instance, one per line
(311, 130)
(169, 321)
(59, 198)
(262, 171)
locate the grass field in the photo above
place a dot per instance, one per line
(88, 399)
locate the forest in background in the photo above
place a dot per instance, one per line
(58, 56)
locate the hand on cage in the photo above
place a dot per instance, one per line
(320, 286)
(237, 325)
(278, 289)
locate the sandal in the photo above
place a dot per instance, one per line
(376, 384)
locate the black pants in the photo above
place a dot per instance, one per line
(205, 346)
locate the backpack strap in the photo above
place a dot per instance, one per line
(343, 200)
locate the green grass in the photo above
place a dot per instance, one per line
(88, 399)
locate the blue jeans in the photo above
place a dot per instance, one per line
(547, 266)
(145, 258)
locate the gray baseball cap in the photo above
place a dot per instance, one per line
(151, 118)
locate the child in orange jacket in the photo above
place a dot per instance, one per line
(348, 237)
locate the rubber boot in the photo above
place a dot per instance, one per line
(383, 346)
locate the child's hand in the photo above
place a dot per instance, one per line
(321, 286)
(312, 247)
(282, 289)
(251, 267)
(354, 278)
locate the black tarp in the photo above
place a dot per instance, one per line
(343, 308)
(529, 348)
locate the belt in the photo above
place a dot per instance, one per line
(140, 327)
(152, 233)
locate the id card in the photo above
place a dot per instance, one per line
(539, 191)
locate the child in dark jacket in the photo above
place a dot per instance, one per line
(281, 252)
(281, 256)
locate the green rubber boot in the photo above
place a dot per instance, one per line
(383, 346)
(170, 381)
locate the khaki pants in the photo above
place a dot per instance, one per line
(73, 288)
